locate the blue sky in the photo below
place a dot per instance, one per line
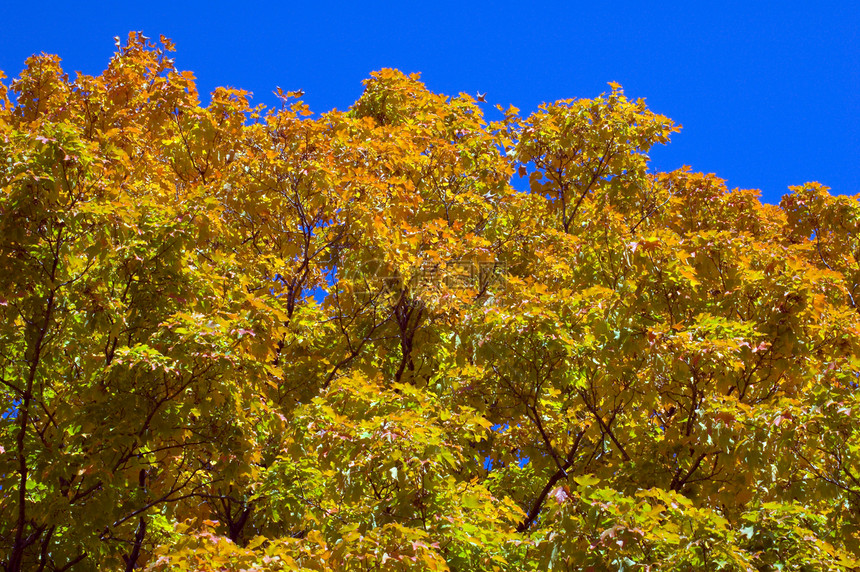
(768, 92)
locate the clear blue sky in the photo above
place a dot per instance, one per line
(768, 92)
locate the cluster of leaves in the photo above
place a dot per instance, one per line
(236, 339)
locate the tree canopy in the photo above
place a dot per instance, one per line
(235, 338)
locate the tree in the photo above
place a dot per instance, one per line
(237, 338)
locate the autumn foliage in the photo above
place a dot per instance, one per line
(234, 338)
